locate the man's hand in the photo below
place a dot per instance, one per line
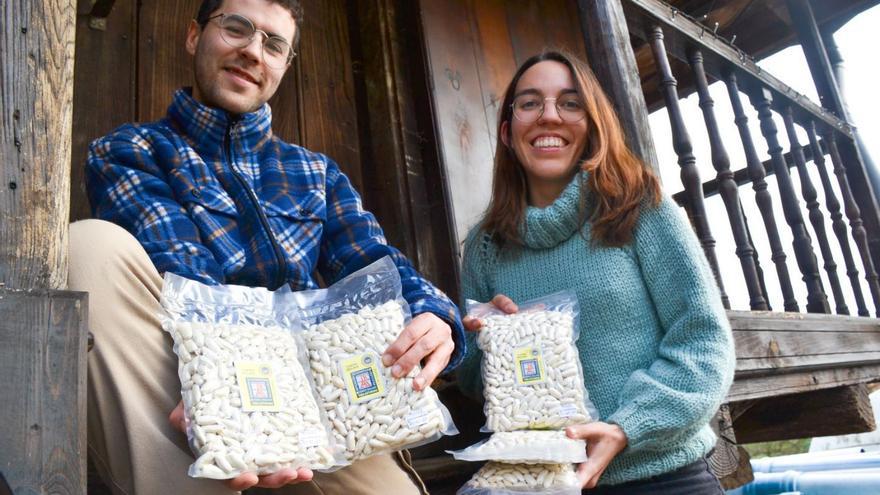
(427, 338)
(501, 302)
(248, 480)
(604, 441)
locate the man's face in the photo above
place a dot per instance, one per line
(237, 79)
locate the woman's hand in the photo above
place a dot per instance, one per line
(604, 441)
(501, 302)
(248, 480)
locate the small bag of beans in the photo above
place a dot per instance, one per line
(248, 402)
(347, 328)
(531, 368)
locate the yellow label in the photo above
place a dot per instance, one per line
(529, 365)
(362, 377)
(256, 382)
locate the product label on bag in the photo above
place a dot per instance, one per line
(362, 377)
(529, 365)
(256, 383)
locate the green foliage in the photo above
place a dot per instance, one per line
(782, 447)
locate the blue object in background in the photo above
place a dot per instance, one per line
(818, 473)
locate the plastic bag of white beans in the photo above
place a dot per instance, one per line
(347, 328)
(531, 368)
(526, 447)
(496, 478)
(248, 401)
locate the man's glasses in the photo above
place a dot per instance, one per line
(529, 108)
(238, 31)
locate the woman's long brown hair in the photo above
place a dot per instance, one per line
(618, 183)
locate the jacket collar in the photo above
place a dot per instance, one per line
(206, 127)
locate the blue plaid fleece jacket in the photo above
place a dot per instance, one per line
(220, 199)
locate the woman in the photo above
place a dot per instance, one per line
(573, 208)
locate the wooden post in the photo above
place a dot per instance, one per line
(37, 89)
(42, 329)
(860, 178)
(611, 57)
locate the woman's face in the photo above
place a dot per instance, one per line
(548, 147)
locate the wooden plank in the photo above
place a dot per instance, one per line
(835, 411)
(328, 122)
(36, 91)
(796, 344)
(773, 384)
(404, 188)
(464, 137)
(103, 88)
(495, 58)
(805, 322)
(611, 57)
(43, 364)
(747, 366)
(163, 64)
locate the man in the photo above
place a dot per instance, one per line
(210, 193)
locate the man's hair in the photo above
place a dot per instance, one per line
(208, 7)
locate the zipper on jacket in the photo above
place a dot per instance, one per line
(281, 273)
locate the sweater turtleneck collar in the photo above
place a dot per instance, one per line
(207, 127)
(547, 227)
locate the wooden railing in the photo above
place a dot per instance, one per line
(670, 33)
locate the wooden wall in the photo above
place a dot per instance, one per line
(473, 48)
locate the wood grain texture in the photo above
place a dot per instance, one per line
(103, 88)
(835, 411)
(36, 95)
(43, 362)
(327, 110)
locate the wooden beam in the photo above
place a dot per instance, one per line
(37, 89)
(835, 411)
(720, 57)
(785, 353)
(43, 364)
(610, 54)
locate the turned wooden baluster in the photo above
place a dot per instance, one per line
(855, 220)
(681, 143)
(803, 248)
(727, 186)
(808, 191)
(762, 195)
(837, 223)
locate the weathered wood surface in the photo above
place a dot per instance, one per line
(784, 353)
(834, 411)
(36, 90)
(611, 58)
(403, 183)
(43, 364)
(103, 88)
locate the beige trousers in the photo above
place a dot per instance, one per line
(133, 383)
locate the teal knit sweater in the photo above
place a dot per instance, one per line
(655, 344)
